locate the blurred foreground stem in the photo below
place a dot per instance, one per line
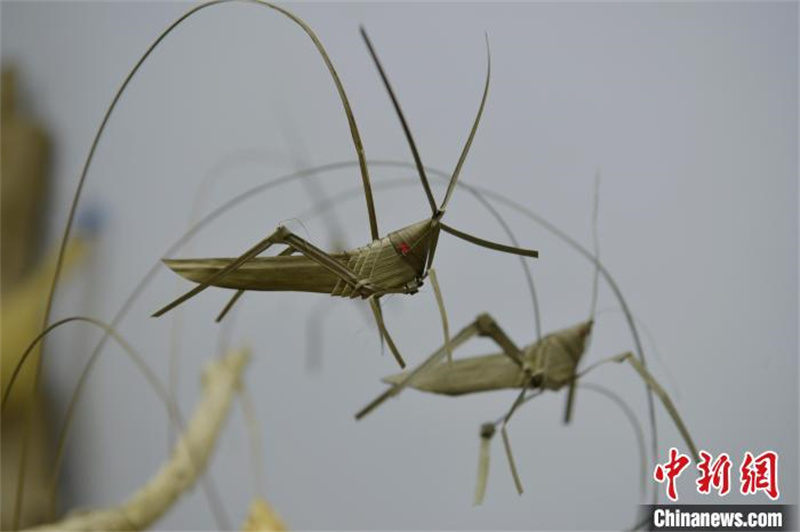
(189, 459)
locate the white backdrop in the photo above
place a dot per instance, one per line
(690, 112)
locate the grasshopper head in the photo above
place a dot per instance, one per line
(575, 339)
(560, 353)
(415, 243)
(574, 346)
(569, 345)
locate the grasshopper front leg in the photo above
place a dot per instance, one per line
(507, 443)
(534, 380)
(653, 384)
(662, 394)
(363, 287)
(378, 313)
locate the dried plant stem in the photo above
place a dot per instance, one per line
(190, 456)
(262, 518)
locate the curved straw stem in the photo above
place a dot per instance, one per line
(359, 148)
(479, 192)
(127, 305)
(177, 245)
(524, 263)
(453, 181)
(571, 242)
(595, 245)
(403, 122)
(252, 192)
(250, 418)
(173, 414)
(188, 459)
(634, 423)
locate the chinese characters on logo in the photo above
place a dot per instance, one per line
(756, 473)
(715, 475)
(760, 474)
(670, 471)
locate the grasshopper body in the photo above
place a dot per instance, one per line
(392, 264)
(552, 362)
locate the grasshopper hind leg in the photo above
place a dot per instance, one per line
(487, 432)
(653, 384)
(262, 246)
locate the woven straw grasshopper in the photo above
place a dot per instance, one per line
(398, 263)
(550, 363)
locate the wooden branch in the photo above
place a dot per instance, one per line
(189, 459)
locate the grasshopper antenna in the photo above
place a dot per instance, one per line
(375, 303)
(414, 152)
(596, 244)
(595, 284)
(454, 181)
(439, 213)
(428, 193)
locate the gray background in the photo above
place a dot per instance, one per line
(690, 112)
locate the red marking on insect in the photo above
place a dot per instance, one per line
(404, 248)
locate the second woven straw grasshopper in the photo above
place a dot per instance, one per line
(550, 363)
